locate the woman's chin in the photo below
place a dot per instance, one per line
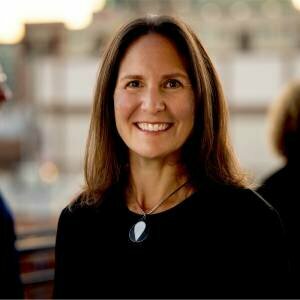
(154, 154)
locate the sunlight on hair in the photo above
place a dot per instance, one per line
(76, 14)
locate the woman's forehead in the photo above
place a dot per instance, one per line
(152, 51)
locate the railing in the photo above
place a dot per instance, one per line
(36, 250)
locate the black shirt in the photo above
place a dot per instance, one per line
(281, 189)
(10, 282)
(221, 242)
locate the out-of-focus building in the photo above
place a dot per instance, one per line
(52, 71)
(255, 45)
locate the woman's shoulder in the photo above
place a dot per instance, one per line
(81, 208)
(244, 210)
(277, 177)
(75, 212)
(248, 196)
(242, 201)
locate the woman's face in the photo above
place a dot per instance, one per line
(153, 99)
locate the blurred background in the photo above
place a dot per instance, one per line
(50, 52)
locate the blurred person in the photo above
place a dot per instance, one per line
(10, 282)
(281, 188)
(166, 211)
(5, 92)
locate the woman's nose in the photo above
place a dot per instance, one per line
(152, 101)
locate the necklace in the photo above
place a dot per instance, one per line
(139, 231)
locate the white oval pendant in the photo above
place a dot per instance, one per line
(138, 232)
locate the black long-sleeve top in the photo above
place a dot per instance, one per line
(281, 189)
(10, 282)
(221, 242)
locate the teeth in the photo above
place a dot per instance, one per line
(153, 127)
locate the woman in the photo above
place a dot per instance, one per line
(281, 188)
(165, 212)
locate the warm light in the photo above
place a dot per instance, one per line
(11, 32)
(48, 172)
(296, 4)
(76, 14)
(11, 29)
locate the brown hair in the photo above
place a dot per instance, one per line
(285, 122)
(206, 154)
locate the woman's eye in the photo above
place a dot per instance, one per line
(133, 84)
(172, 84)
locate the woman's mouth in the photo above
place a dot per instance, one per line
(153, 127)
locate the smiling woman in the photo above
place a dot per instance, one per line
(165, 199)
(154, 106)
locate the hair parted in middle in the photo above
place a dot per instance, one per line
(206, 154)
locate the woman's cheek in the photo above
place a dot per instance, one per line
(124, 104)
(184, 108)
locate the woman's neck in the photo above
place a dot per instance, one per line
(152, 181)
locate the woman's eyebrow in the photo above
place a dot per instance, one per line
(177, 74)
(131, 76)
(165, 76)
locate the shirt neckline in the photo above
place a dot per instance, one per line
(168, 211)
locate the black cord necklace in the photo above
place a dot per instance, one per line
(139, 231)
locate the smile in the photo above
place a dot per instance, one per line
(153, 127)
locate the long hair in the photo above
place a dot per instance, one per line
(284, 117)
(206, 154)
